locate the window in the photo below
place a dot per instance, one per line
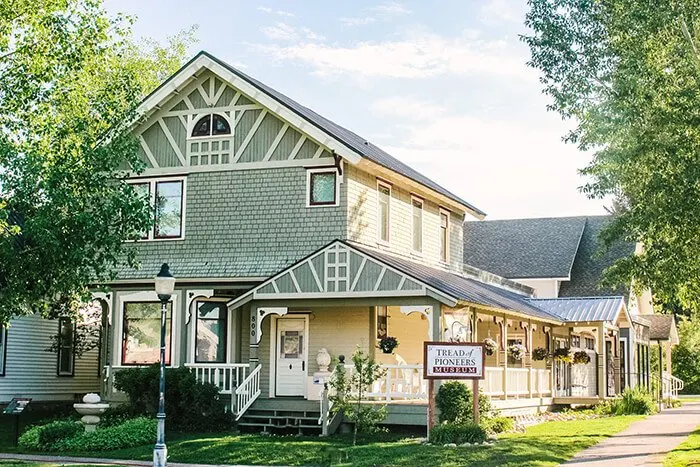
(576, 341)
(322, 187)
(210, 346)
(141, 335)
(3, 349)
(417, 207)
(384, 210)
(444, 235)
(589, 343)
(166, 196)
(66, 347)
(382, 322)
(211, 125)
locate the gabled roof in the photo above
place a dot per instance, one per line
(663, 328)
(400, 277)
(524, 248)
(582, 308)
(282, 104)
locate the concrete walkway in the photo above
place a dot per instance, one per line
(644, 443)
(96, 461)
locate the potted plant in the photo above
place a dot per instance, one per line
(581, 357)
(539, 354)
(490, 346)
(388, 344)
(517, 351)
(563, 354)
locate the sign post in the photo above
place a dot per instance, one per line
(15, 408)
(452, 360)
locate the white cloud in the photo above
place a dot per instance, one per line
(269, 10)
(418, 56)
(407, 108)
(495, 11)
(392, 9)
(358, 21)
(286, 32)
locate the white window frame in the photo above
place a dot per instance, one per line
(197, 117)
(193, 119)
(447, 213)
(152, 181)
(420, 200)
(380, 240)
(332, 170)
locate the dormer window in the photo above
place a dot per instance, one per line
(211, 125)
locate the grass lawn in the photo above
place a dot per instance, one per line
(11, 463)
(547, 444)
(687, 453)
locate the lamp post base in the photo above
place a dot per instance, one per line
(160, 455)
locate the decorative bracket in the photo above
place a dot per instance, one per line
(107, 298)
(192, 296)
(426, 311)
(256, 319)
(338, 160)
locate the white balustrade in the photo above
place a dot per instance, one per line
(247, 392)
(492, 384)
(400, 382)
(225, 376)
(517, 381)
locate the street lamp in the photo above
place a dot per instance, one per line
(165, 284)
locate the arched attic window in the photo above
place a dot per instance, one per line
(211, 125)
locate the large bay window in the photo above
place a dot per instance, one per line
(141, 333)
(211, 327)
(166, 196)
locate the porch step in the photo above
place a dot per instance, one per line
(287, 417)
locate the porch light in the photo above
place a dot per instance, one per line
(165, 283)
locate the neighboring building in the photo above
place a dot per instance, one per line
(290, 237)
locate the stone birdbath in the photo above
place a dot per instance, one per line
(91, 408)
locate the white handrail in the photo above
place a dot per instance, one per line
(400, 382)
(225, 376)
(248, 392)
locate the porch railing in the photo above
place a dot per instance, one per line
(520, 382)
(247, 392)
(225, 376)
(400, 382)
(492, 384)
(672, 386)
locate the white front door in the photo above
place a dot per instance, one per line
(292, 346)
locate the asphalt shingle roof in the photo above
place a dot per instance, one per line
(660, 328)
(524, 248)
(347, 137)
(581, 308)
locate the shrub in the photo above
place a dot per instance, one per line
(540, 353)
(454, 402)
(457, 433)
(637, 401)
(116, 415)
(190, 405)
(44, 437)
(581, 357)
(135, 432)
(498, 425)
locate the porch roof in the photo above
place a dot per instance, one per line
(582, 308)
(372, 273)
(663, 328)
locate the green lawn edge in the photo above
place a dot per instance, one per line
(687, 453)
(546, 444)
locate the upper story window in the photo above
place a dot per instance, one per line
(211, 125)
(417, 224)
(322, 188)
(66, 347)
(167, 196)
(444, 235)
(383, 210)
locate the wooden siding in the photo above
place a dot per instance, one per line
(30, 370)
(363, 221)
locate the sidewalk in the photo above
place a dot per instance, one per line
(644, 443)
(95, 460)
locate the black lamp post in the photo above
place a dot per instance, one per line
(165, 285)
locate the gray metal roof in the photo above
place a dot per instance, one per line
(460, 287)
(347, 137)
(524, 248)
(581, 308)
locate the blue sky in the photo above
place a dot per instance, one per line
(441, 85)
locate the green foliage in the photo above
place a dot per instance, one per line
(135, 432)
(581, 357)
(457, 433)
(637, 401)
(116, 415)
(539, 354)
(628, 73)
(70, 80)
(685, 361)
(497, 425)
(351, 391)
(44, 437)
(189, 404)
(563, 354)
(454, 403)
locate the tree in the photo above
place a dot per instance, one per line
(627, 72)
(70, 80)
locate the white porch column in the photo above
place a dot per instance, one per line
(504, 343)
(602, 374)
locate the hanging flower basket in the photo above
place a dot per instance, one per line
(581, 358)
(517, 351)
(490, 346)
(539, 354)
(563, 355)
(388, 344)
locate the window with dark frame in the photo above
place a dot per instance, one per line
(211, 125)
(382, 322)
(66, 347)
(211, 332)
(141, 333)
(417, 208)
(168, 209)
(444, 235)
(576, 341)
(3, 349)
(323, 188)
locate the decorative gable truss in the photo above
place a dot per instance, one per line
(257, 136)
(340, 271)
